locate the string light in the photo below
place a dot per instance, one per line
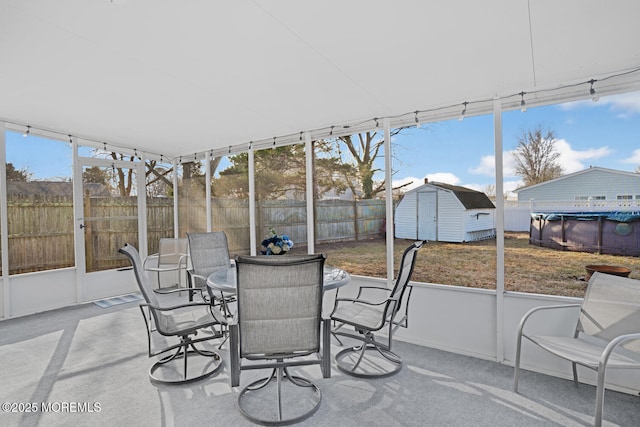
(445, 110)
(594, 95)
(464, 111)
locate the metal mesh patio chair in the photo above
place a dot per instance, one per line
(607, 334)
(208, 253)
(278, 325)
(171, 256)
(373, 309)
(183, 321)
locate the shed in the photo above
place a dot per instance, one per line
(594, 183)
(445, 213)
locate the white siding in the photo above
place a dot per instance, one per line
(406, 216)
(450, 217)
(454, 222)
(590, 183)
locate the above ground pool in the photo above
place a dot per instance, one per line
(614, 233)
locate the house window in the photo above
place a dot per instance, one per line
(624, 200)
(585, 198)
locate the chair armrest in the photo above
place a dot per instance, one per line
(364, 301)
(176, 307)
(536, 309)
(612, 346)
(151, 257)
(199, 276)
(184, 259)
(372, 288)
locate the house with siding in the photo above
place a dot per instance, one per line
(446, 213)
(594, 185)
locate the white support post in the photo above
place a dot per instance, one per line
(310, 202)
(389, 198)
(79, 223)
(497, 130)
(207, 173)
(176, 225)
(252, 203)
(143, 243)
(4, 226)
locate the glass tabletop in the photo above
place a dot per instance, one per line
(225, 280)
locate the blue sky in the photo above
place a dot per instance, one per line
(604, 133)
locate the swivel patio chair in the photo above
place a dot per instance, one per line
(607, 333)
(184, 322)
(367, 316)
(208, 253)
(277, 326)
(171, 256)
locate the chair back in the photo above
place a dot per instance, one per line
(208, 253)
(279, 304)
(171, 251)
(611, 308)
(141, 275)
(407, 263)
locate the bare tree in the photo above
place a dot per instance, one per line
(364, 151)
(536, 157)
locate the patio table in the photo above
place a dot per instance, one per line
(225, 280)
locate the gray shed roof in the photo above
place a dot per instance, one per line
(471, 199)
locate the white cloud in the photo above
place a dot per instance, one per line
(509, 186)
(626, 104)
(571, 160)
(444, 177)
(414, 183)
(487, 165)
(635, 157)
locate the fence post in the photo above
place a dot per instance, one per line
(355, 220)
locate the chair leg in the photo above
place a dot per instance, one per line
(325, 365)
(369, 344)
(516, 367)
(599, 397)
(188, 348)
(234, 355)
(278, 416)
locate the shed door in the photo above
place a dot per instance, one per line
(427, 216)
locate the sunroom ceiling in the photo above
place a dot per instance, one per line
(182, 77)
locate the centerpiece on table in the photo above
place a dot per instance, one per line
(276, 245)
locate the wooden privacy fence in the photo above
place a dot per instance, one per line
(41, 227)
